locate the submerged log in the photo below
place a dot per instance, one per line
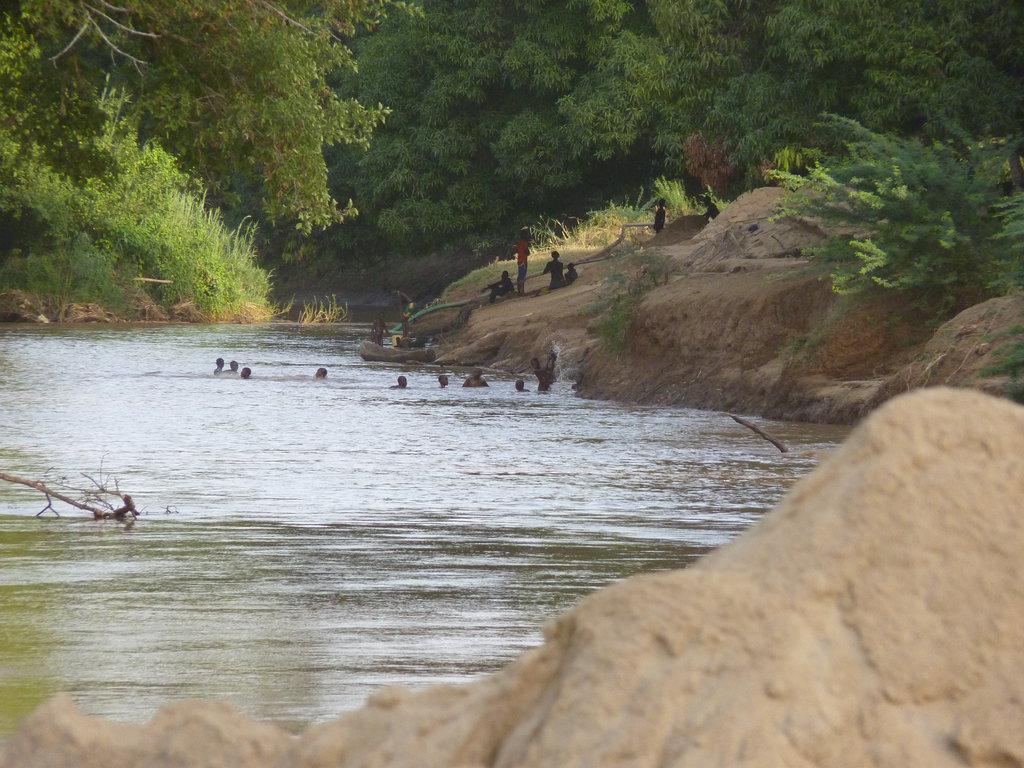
(783, 448)
(99, 513)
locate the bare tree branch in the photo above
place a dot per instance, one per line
(121, 513)
(115, 8)
(783, 448)
(110, 43)
(274, 9)
(74, 40)
(119, 25)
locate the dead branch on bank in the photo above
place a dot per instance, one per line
(783, 448)
(94, 499)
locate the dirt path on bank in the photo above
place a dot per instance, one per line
(743, 323)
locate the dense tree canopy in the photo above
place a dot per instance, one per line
(501, 112)
(232, 88)
(498, 112)
(755, 75)
(505, 110)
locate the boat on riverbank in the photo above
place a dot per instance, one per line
(376, 353)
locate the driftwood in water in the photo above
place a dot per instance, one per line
(757, 430)
(91, 500)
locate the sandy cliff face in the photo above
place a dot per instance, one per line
(873, 618)
(745, 324)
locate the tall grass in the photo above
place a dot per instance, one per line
(597, 230)
(85, 239)
(210, 265)
(323, 311)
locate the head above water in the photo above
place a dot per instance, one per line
(233, 365)
(321, 373)
(402, 383)
(220, 362)
(442, 380)
(520, 385)
(246, 373)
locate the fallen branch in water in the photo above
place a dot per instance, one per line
(757, 430)
(89, 499)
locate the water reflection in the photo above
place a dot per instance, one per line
(331, 536)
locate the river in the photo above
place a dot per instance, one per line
(304, 542)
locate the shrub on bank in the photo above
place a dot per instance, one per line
(923, 214)
(74, 240)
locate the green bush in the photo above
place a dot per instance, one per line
(80, 240)
(920, 215)
(1011, 363)
(623, 290)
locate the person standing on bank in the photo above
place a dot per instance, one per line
(408, 308)
(554, 268)
(659, 217)
(522, 259)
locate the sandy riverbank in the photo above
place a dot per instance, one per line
(742, 323)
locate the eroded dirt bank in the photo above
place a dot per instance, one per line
(872, 618)
(742, 323)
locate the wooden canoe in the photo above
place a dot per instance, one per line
(378, 354)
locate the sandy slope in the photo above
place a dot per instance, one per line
(744, 324)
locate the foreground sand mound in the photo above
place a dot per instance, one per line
(873, 619)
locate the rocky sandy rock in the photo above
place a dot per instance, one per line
(872, 619)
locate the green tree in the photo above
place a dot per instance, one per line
(920, 215)
(501, 112)
(754, 75)
(230, 87)
(79, 240)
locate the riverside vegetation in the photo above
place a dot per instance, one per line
(123, 155)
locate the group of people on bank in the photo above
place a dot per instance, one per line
(561, 274)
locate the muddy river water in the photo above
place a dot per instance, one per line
(305, 542)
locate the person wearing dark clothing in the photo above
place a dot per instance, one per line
(545, 373)
(378, 330)
(501, 287)
(554, 268)
(659, 217)
(570, 273)
(522, 259)
(712, 210)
